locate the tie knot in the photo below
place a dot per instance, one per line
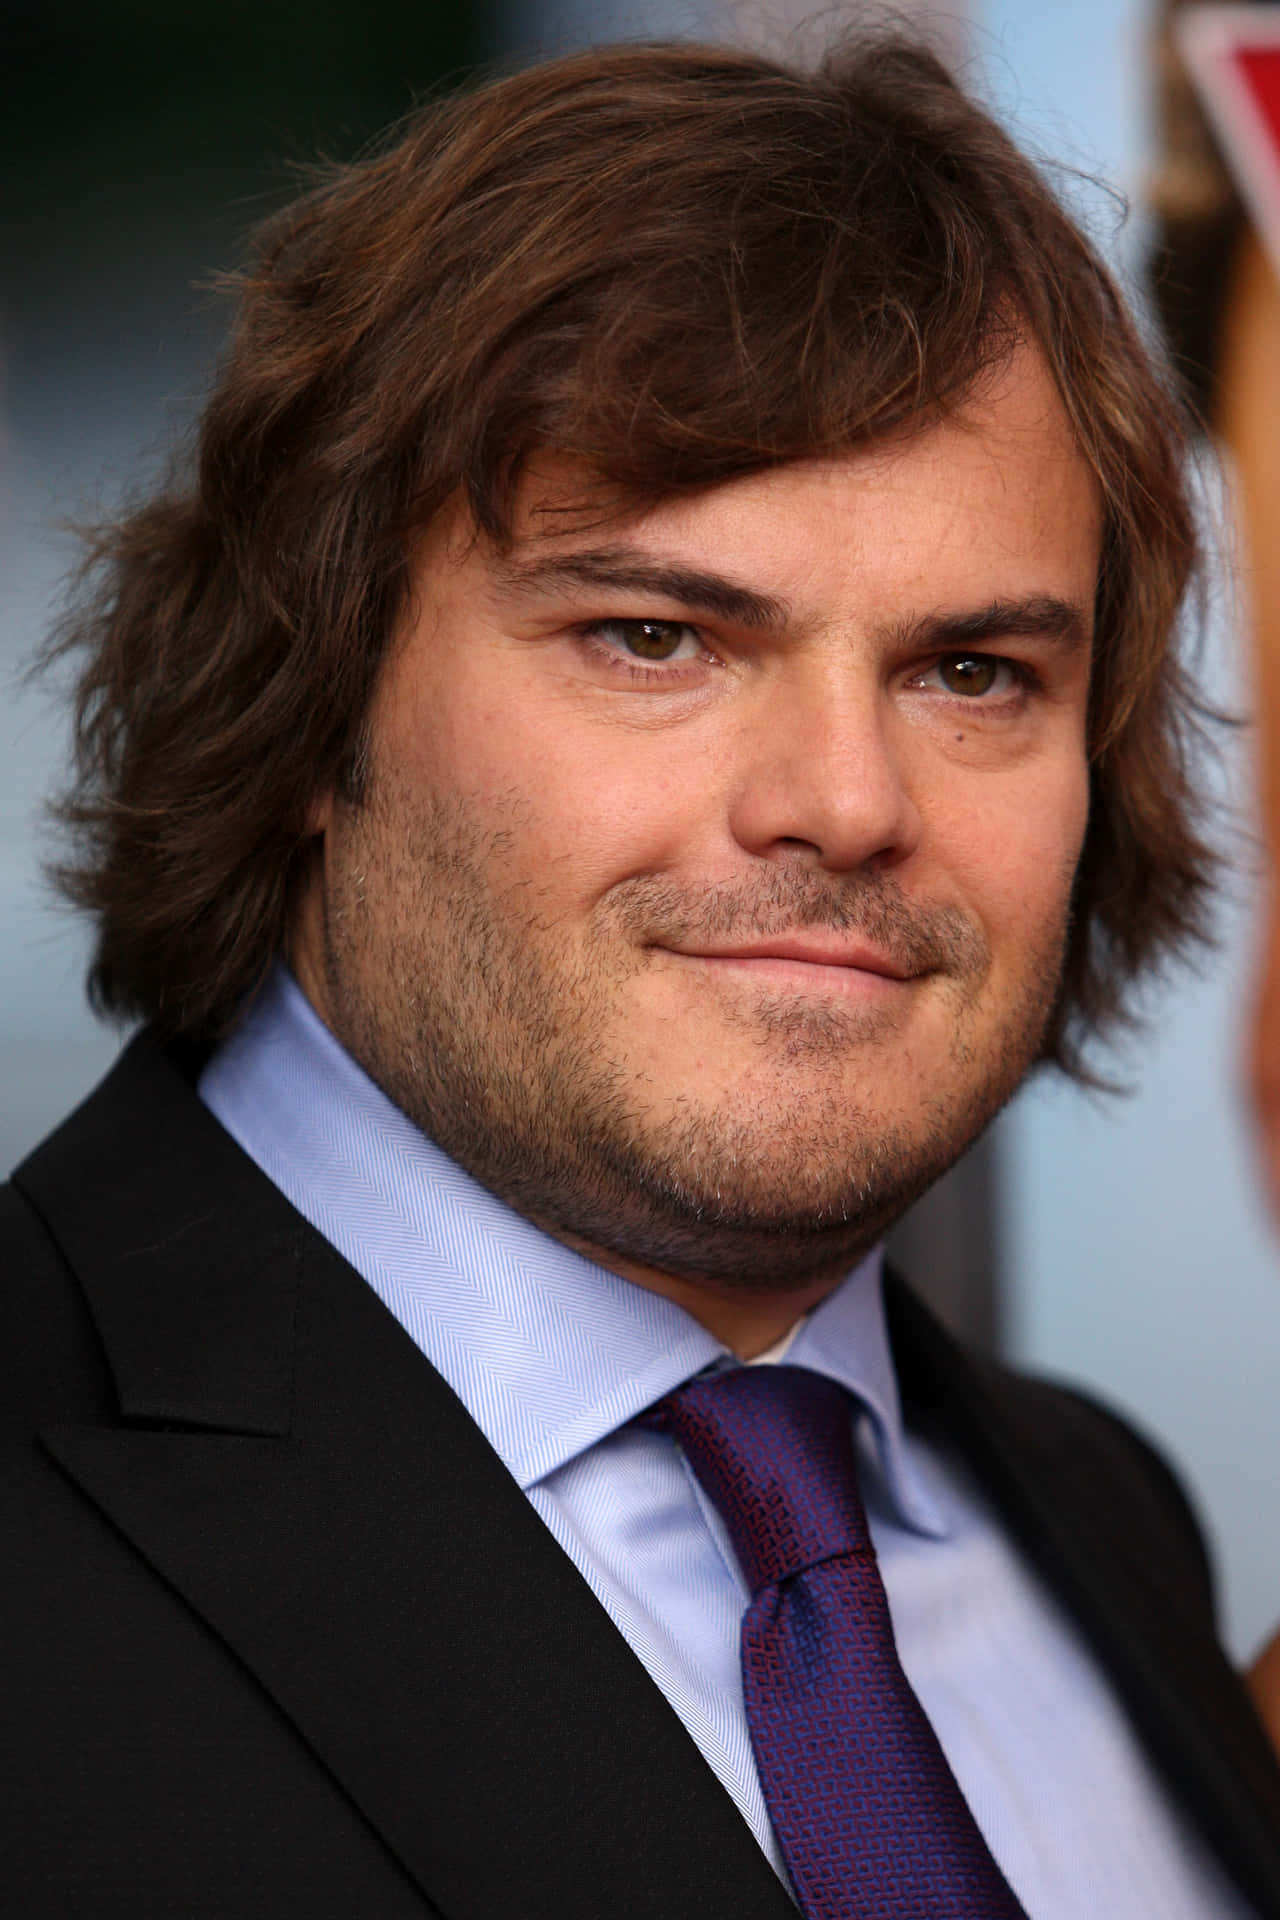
(772, 1447)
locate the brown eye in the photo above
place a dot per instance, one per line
(968, 673)
(651, 639)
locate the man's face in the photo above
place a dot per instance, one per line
(709, 889)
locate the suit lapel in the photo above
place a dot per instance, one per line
(1051, 1467)
(294, 1468)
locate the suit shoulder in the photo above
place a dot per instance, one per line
(1109, 1468)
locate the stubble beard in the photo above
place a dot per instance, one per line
(450, 989)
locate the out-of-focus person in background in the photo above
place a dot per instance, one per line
(1218, 298)
(1264, 1683)
(1214, 281)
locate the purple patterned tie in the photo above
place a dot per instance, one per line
(867, 1812)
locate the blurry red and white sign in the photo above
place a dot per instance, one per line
(1233, 58)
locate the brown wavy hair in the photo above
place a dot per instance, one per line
(679, 263)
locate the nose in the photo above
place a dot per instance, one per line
(822, 775)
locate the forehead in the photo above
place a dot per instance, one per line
(996, 485)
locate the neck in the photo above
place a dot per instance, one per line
(747, 1320)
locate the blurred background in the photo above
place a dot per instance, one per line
(1119, 1242)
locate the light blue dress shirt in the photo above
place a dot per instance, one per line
(553, 1356)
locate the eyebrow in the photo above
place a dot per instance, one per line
(624, 569)
(1039, 616)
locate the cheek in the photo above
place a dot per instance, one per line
(564, 805)
(592, 821)
(1015, 854)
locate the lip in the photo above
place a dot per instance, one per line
(806, 950)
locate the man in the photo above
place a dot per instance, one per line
(655, 709)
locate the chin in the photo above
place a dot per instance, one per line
(750, 1209)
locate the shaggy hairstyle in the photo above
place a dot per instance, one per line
(678, 263)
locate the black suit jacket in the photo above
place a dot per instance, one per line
(282, 1637)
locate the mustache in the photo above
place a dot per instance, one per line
(915, 936)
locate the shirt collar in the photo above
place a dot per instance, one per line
(548, 1352)
(847, 1338)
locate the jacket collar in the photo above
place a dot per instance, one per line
(189, 1259)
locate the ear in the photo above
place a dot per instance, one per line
(319, 814)
(304, 927)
